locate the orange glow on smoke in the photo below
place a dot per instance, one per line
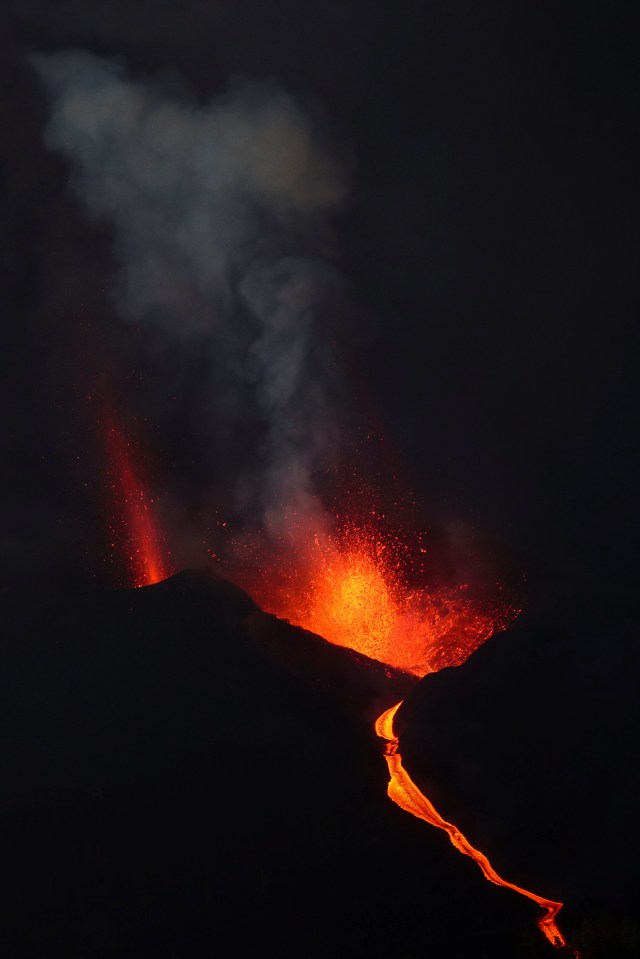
(403, 791)
(133, 527)
(351, 587)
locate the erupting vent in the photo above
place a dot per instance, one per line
(352, 589)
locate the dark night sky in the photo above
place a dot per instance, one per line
(489, 244)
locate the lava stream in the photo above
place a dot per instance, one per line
(403, 791)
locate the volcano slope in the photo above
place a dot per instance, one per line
(182, 773)
(531, 749)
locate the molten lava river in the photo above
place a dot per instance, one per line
(351, 589)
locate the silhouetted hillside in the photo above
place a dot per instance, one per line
(181, 774)
(531, 748)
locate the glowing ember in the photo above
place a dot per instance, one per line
(403, 791)
(133, 528)
(352, 589)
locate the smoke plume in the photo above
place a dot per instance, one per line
(219, 215)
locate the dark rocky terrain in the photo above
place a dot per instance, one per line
(182, 774)
(531, 748)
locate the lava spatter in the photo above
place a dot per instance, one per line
(352, 587)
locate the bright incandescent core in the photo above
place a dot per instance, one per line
(352, 587)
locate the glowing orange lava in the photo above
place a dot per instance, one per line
(403, 791)
(133, 526)
(351, 587)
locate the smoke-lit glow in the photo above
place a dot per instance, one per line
(352, 588)
(135, 535)
(403, 791)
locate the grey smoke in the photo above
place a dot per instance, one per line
(220, 230)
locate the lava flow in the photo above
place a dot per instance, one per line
(403, 791)
(351, 588)
(132, 524)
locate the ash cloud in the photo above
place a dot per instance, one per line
(220, 228)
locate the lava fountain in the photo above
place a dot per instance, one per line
(134, 532)
(352, 587)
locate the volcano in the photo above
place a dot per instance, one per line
(185, 773)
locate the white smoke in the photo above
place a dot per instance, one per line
(218, 210)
